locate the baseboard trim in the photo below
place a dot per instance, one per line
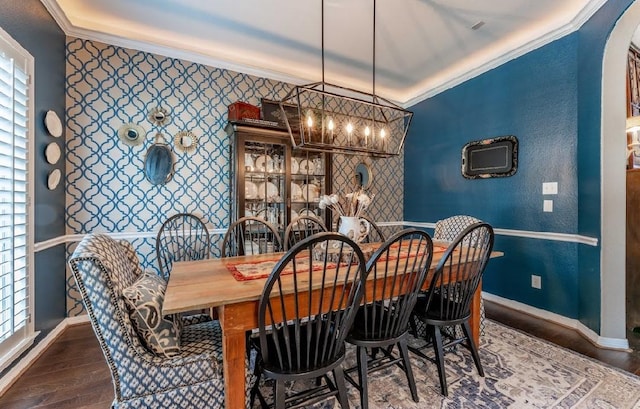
(588, 333)
(20, 368)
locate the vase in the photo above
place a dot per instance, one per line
(355, 228)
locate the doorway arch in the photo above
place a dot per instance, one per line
(613, 176)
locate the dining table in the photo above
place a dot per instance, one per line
(215, 283)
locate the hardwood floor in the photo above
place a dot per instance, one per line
(72, 373)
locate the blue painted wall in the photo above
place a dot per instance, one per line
(550, 100)
(29, 23)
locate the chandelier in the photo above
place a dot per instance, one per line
(331, 118)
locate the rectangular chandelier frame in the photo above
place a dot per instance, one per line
(336, 119)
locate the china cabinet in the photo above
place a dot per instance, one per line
(272, 181)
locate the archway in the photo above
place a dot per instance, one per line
(613, 177)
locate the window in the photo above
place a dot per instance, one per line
(16, 240)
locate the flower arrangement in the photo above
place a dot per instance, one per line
(349, 205)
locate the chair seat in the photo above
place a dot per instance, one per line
(433, 315)
(369, 316)
(202, 338)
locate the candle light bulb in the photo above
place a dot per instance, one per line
(309, 121)
(367, 131)
(349, 130)
(330, 124)
(382, 133)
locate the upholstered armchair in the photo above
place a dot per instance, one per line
(190, 376)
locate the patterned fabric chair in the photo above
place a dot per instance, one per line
(103, 268)
(447, 230)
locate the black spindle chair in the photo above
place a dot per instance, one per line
(397, 271)
(302, 227)
(304, 315)
(250, 235)
(181, 237)
(375, 232)
(450, 295)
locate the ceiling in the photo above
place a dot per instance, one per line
(422, 46)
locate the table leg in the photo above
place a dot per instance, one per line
(233, 350)
(475, 315)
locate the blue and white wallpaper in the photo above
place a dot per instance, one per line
(106, 190)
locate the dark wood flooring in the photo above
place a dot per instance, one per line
(72, 373)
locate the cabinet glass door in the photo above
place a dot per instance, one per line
(264, 182)
(307, 184)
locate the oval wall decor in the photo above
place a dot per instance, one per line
(158, 163)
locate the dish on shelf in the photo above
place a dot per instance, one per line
(53, 124)
(296, 192)
(295, 167)
(267, 191)
(310, 192)
(251, 190)
(264, 163)
(251, 247)
(248, 162)
(306, 166)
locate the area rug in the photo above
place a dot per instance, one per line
(520, 372)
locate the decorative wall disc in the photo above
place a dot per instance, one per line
(131, 134)
(53, 179)
(159, 116)
(186, 141)
(53, 124)
(52, 153)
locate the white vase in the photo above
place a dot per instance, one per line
(354, 228)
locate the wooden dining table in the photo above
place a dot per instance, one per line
(209, 283)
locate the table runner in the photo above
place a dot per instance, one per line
(255, 270)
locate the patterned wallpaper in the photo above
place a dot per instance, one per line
(106, 190)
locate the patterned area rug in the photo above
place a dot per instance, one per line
(520, 372)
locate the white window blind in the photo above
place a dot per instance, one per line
(16, 330)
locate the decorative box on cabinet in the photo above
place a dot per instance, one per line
(271, 180)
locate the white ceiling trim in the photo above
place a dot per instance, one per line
(471, 69)
(584, 15)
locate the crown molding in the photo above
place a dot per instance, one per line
(573, 25)
(167, 51)
(407, 100)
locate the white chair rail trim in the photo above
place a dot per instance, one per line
(571, 238)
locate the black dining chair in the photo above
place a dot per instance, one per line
(375, 232)
(304, 314)
(181, 237)
(302, 227)
(397, 270)
(446, 230)
(450, 295)
(250, 235)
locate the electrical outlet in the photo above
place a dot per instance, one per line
(536, 281)
(547, 206)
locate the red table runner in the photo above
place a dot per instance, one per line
(261, 269)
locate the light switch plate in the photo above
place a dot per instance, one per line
(547, 206)
(550, 188)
